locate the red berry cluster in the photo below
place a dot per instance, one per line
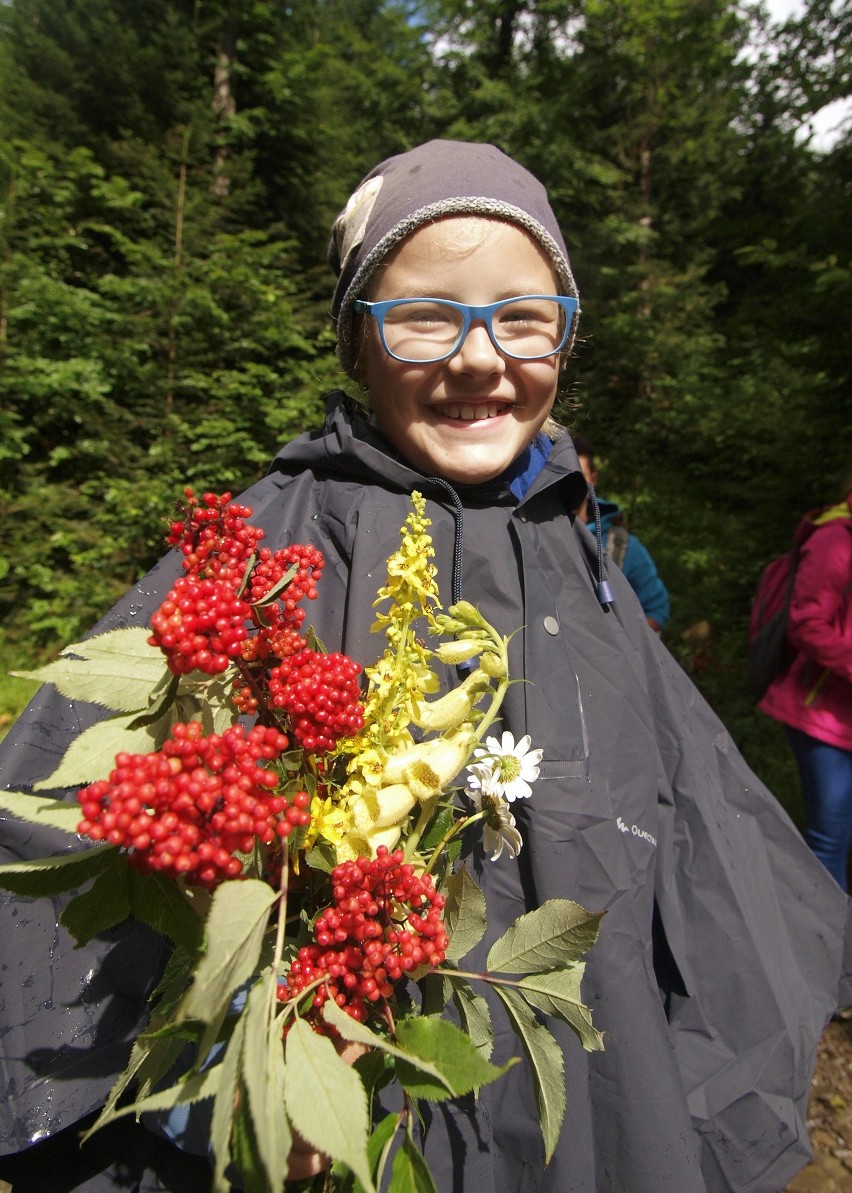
(386, 921)
(187, 809)
(270, 570)
(231, 587)
(214, 537)
(200, 626)
(203, 622)
(320, 695)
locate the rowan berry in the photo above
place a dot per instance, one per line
(385, 922)
(189, 808)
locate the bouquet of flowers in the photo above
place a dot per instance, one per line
(307, 870)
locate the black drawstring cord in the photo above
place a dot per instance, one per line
(603, 588)
(458, 541)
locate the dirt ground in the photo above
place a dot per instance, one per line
(830, 1116)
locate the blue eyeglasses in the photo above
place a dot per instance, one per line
(425, 330)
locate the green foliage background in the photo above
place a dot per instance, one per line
(169, 170)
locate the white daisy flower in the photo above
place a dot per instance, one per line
(499, 828)
(505, 768)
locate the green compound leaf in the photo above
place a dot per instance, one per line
(263, 1079)
(153, 1054)
(225, 1107)
(244, 1151)
(545, 1060)
(156, 901)
(91, 756)
(461, 1066)
(35, 809)
(464, 914)
(193, 1088)
(49, 875)
(326, 1102)
(557, 932)
(117, 670)
(558, 993)
(357, 1033)
(105, 904)
(474, 1015)
(236, 924)
(410, 1172)
(378, 1146)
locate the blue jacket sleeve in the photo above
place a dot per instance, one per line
(641, 572)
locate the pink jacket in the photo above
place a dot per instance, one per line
(815, 693)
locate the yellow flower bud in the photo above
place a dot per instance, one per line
(453, 709)
(493, 665)
(459, 651)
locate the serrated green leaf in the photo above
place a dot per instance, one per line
(160, 700)
(150, 1060)
(91, 756)
(326, 1101)
(50, 875)
(236, 923)
(263, 1078)
(35, 809)
(356, 1033)
(105, 904)
(555, 933)
(464, 914)
(378, 1146)
(129, 641)
(208, 700)
(157, 902)
(440, 1042)
(152, 1057)
(546, 1065)
(225, 1105)
(410, 1172)
(558, 993)
(194, 1088)
(244, 1152)
(118, 670)
(438, 828)
(474, 1015)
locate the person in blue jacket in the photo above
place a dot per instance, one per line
(625, 550)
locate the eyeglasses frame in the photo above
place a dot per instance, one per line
(378, 310)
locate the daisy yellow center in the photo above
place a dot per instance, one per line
(508, 768)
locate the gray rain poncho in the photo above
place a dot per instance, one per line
(719, 955)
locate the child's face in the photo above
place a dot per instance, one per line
(466, 418)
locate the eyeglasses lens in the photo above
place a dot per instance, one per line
(424, 331)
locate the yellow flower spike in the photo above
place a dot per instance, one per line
(453, 709)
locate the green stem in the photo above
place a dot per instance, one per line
(456, 827)
(427, 808)
(482, 977)
(281, 929)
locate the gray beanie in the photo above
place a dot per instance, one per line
(437, 179)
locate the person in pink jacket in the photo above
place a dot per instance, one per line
(812, 698)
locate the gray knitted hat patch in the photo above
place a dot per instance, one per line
(438, 179)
